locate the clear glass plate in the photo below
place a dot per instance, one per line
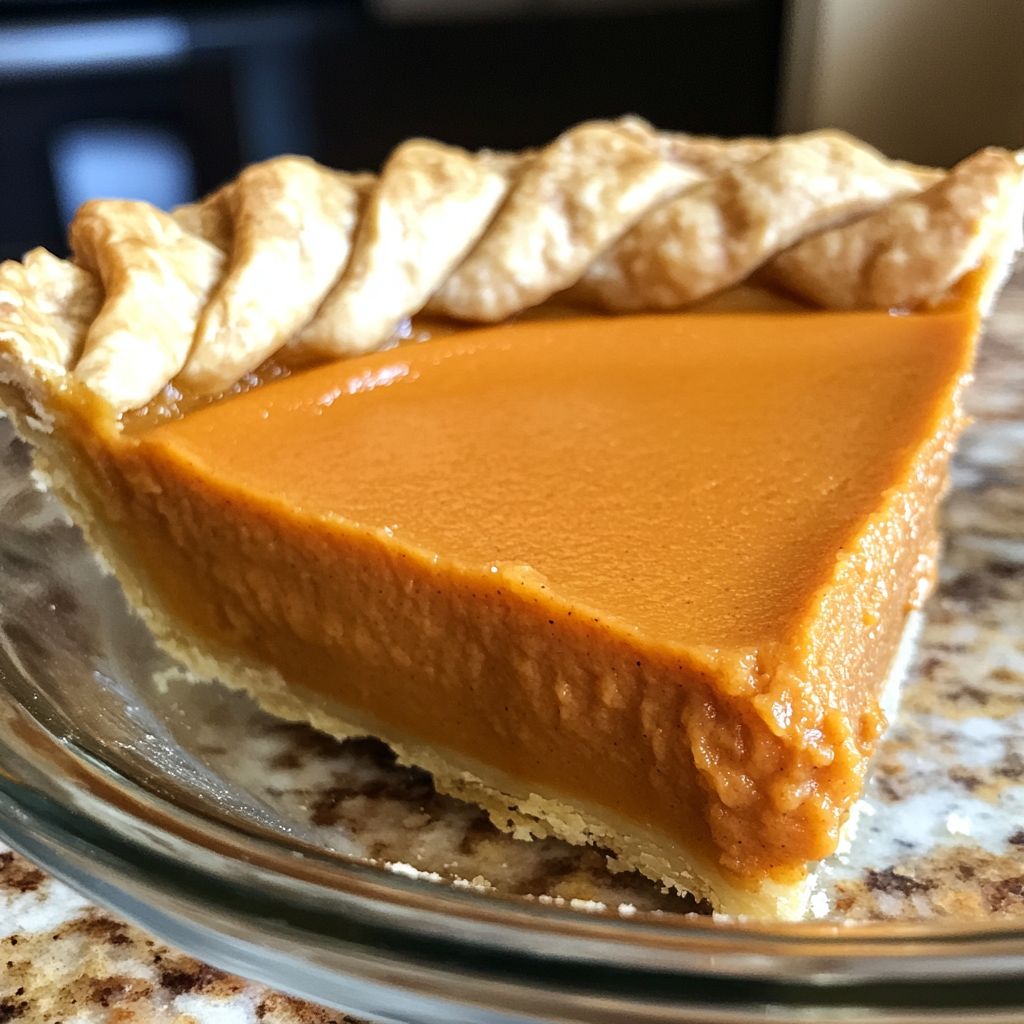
(327, 871)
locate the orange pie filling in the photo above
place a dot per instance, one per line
(654, 566)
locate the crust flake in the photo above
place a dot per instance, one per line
(431, 204)
(291, 227)
(911, 252)
(157, 279)
(716, 234)
(574, 199)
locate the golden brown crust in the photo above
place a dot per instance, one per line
(912, 251)
(577, 196)
(616, 212)
(716, 234)
(157, 279)
(292, 224)
(46, 307)
(210, 218)
(431, 204)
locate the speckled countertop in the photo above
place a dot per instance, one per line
(939, 832)
(65, 961)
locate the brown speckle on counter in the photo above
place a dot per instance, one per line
(17, 875)
(92, 967)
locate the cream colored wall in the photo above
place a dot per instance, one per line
(925, 80)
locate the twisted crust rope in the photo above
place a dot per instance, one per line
(614, 214)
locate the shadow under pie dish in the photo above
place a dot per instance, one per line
(631, 565)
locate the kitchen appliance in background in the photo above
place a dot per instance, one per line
(923, 80)
(161, 102)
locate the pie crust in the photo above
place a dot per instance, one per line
(293, 264)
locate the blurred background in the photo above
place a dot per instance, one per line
(165, 102)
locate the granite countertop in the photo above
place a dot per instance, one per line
(939, 832)
(65, 961)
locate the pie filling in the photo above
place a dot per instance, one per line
(659, 564)
(636, 580)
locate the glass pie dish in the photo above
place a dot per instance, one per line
(326, 870)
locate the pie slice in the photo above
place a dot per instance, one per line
(631, 563)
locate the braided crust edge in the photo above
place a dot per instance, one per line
(615, 215)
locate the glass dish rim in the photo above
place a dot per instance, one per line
(317, 873)
(728, 993)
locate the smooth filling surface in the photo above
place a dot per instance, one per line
(691, 477)
(658, 563)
